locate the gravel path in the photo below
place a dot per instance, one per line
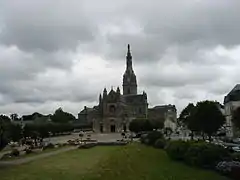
(29, 159)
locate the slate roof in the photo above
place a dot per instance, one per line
(134, 99)
(233, 95)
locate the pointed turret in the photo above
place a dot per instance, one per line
(129, 77)
(104, 93)
(100, 99)
(118, 90)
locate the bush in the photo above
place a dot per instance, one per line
(28, 151)
(235, 156)
(15, 152)
(48, 146)
(177, 149)
(6, 156)
(229, 168)
(152, 137)
(160, 143)
(205, 155)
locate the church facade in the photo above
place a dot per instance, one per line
(115, 110)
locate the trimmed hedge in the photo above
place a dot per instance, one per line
(199, 154)
(160, 143)
(15, 152)
(205, 155)
(177, 149)
(151, 137)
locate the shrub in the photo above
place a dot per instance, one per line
(177, 149)
(6, 156)
(15, 152)
(87, 146)
(229, 168)
(205, 154)
(153, 137)
(235, 156)
(28, 151)
(48, 146)
(160, 143)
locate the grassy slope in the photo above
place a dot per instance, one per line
(138, 162)
(70, 165)
(133, 162)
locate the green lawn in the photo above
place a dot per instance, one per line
(132, 162)
(35, 153)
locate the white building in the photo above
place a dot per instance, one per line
(231, 103)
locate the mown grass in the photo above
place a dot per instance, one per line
(132, 162)
(136, 162)
(68, 165)
(34, 153)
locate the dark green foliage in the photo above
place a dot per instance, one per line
(177, 149)
(205, 154)
(160, 143)
(156, 124)
(49, 146)
(15, 152)
(14, 132)
(186, 115)
(28, 151)
(151, 137)
(236, 118)
(44, 130)
(195, 153)
(62, 117)
(235, 156)
(207, 117)
(141, 125)
(5, 119)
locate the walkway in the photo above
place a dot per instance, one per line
(32, 158)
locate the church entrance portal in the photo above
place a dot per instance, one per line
(113, 128)
(101, 128)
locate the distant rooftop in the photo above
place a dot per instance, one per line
(233, 95)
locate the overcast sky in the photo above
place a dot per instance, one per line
(58, 53)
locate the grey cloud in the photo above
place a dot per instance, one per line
(46, 25)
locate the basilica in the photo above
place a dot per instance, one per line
(116, 109)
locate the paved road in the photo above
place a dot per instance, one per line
(29, 159)
(99, 137)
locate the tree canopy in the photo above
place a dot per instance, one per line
(138, 125)
(62, 117)
(207, 118)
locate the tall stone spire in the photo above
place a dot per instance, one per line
(129, 59)
(129, 77)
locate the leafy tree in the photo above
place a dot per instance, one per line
(207, 117)
(62, 117)
(236, 118)
(14, 117)
(186, 118)
(186, 115)
(157, 124)
(138, 125)
(5, 118)
(14, 132)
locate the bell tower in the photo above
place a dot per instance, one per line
(129, 77)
